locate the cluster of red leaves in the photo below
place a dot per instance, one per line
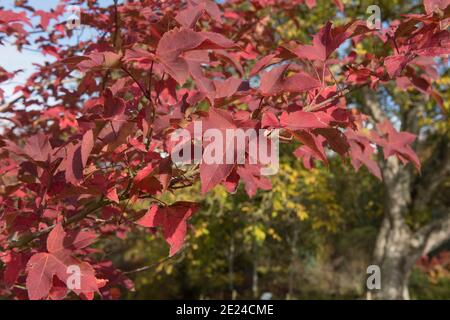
(436, 267)
(78, 158)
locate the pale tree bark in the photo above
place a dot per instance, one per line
(398, 247)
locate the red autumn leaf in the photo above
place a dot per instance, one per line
(99, 60)
(59, 290)
(361, 152)
(47, 16)
(273, 82)
(432, 5)
(226, 88)
(397, 143)
(141, 56)
(77, 157)
(335, 139)
(14, 267)
(146, 181)
(60, 240)
(269, 120)
(339, 4)
(37, 148)
(323, 45)
(299, 120)
(173, 222)
(328, 39)
(112, 195)
(8, 16)
(176, 42)
(310, 3)
(253, 180)
(189, 17)
(213, 174)
(395, 64)
(313, 146)
(43, 267)
(195, 9)
(262, 63)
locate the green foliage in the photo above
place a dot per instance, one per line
(422, 288)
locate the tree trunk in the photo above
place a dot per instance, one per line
(392, 251)
(396, 261)
(398, 248)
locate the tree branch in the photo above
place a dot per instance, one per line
(434, 234)
(5, 107)
(322, 104)
(28, 237)
(144, 91)
(435, 170)
(396, 177)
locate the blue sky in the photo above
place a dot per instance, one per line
(40, 4)
(46, 4)
(14, 60)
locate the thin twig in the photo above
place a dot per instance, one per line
(322, 104)
(28, 237)
(153, 265)
(144, 91)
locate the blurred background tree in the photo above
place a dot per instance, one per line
(315, 234)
